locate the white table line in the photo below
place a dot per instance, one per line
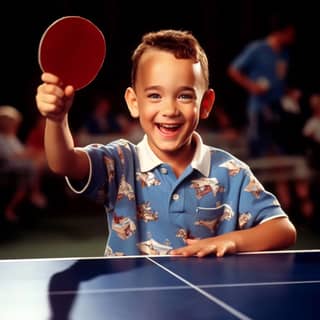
(212, 298)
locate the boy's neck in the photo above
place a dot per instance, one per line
(179, 159)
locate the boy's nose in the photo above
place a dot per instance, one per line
(170, 109)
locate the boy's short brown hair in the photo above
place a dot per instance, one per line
(180, 43)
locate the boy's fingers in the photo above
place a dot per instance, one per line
(221, 251)
(49, 78)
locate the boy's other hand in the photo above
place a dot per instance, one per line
(218, 246)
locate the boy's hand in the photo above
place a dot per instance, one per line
(53, 99)
(201, 247)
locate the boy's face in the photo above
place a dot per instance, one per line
(169, 98)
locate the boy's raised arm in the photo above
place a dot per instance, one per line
(54, 102)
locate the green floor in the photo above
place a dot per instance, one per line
(80, 231)
(76, 228)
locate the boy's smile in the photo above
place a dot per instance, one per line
(167, 99)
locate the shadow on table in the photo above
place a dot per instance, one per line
(63, 286)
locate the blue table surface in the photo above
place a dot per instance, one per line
(267, 285)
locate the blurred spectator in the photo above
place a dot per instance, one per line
(35, 142)
(19, 162)
(273, 108)
(103, 119)
(311, 131)
(220, 130)
(290, 101)
(292, 143)
(291, 122)
(222, 124)
(35, 139)
(261, 68)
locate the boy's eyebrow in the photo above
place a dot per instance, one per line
(182, 88)
(187, 88)
(152, 88)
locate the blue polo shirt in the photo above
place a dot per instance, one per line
(150, 210)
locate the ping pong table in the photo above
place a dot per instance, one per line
(266, 285)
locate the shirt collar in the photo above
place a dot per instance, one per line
(201, 160)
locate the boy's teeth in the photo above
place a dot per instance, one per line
(169, 126)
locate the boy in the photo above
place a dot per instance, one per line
(169, 194)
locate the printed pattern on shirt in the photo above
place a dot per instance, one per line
(152, 212)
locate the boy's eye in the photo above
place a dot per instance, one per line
(186, 96)
(154, 96)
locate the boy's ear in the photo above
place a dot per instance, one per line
(207, 103)
(132, 103)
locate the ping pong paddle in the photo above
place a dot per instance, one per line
(73, 48)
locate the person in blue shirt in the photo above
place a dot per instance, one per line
(261, 69)
(170, 193)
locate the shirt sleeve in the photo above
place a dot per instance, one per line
(256, 202)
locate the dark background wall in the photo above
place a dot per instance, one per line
(223, 27)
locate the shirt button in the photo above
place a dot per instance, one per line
(164, 170)
(176, 196)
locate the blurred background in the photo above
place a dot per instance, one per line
(68, 225)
